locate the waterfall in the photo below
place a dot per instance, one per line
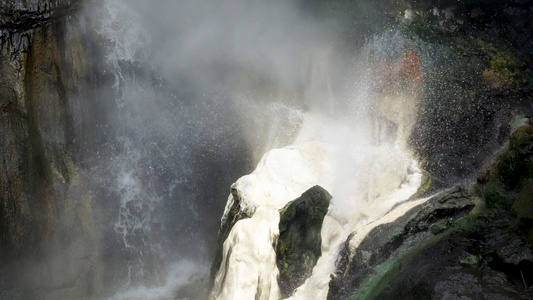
(175, 122)
(345, 141)
(156, 172)
(177, 134)
(183, 100)
(125, 123)
(358, 155)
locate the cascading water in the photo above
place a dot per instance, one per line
(175, 139)
(358, 155)
(136, 220)
(183, 119)
(157, 170)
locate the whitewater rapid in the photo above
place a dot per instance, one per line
(365, 179)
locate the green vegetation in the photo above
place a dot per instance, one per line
(469, 260)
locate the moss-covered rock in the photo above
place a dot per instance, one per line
(365, 272)
(507, 178)
(523, 205)
(299, 243)
(457, 244)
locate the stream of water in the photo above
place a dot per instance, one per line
(190, 119)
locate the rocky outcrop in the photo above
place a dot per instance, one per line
(478, 80)
(361, 272)
(477, 73)
(299, 244)
(471, 242)
(47, 223)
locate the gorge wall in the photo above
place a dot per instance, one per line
(49, 234)
(123, 125)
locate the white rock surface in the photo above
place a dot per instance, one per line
(365, 180)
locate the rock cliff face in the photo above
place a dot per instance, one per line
(46, 209)
(471, 242)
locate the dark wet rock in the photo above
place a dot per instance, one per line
(464, 265)
(467, 242)
(299, 243)
(390, 242)
(23, 15)
(476, 256)
(506, 181)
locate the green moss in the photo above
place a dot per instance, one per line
(428, 184)
(523, 206)
(440, 227)
(424, 188)
(522, 139)
(469, 260)
(512, 172)
(503, 69)
(389, 271)
(496, 196)
(299, 243)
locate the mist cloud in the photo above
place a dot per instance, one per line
(211, 42)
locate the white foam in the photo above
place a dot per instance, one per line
(365, 180)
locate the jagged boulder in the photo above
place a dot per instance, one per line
(299, 244)
(470, 242)
(359, 274)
